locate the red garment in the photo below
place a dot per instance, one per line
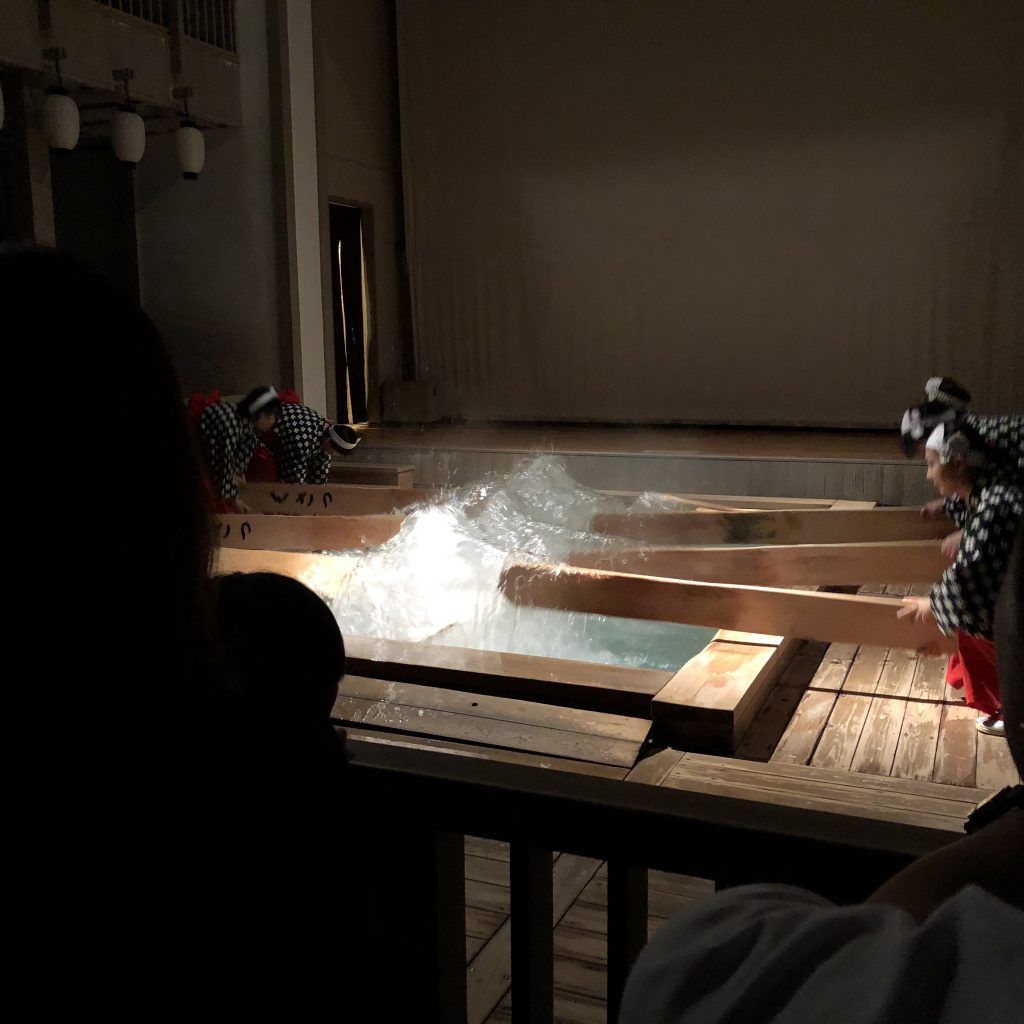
(263, 464)
(224, 506)
(197, 402)
(287, 395)
(973, 667)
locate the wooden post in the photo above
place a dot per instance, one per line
(409, 928)
(627, 927)
(533, 986)
(804, 614)
(813, 526)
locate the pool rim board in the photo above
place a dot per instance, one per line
(712, 718)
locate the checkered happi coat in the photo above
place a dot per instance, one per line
(300, 431)
(229, 441)
(1006, 434)
(965, 598)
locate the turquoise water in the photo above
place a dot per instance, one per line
(437, 580)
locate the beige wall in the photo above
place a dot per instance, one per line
(358, 160)
(743, 211)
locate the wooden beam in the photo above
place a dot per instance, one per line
(813, 526)
(330, 499)
(779, 565)
(616, 689)
(808, 615)
(306, 533)
(324, 574)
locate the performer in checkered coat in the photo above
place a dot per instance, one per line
(229, 435)
(306, 442)
(962, 603)
(946, 401)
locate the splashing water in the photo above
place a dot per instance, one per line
(437, 579)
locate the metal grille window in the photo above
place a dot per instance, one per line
(210, 21)
(157, 12)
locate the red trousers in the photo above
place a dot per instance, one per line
(973, 667)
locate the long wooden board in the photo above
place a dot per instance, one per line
(808, 615)
(306, 533)
(613, 688)
(330, 499)
(813, 526)
(780, 565)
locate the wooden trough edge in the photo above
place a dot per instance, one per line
(811, 526)
(306, 533)
(827, 617)
(778, 565)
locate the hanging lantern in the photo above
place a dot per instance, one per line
(128, 136)
(127, 130)
(191, 150)
(61, 123)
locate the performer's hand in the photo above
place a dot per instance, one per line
(951, 545)
(917, 608)
(934, 509)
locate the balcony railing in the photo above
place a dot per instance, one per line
(207, 21)
(402, 897)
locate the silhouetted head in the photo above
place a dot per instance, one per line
(282, 642)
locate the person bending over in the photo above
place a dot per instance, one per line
(305, 443)
(229, 433)
(944, 401)
(963, 602)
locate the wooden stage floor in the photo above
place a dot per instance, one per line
(859, 465)
(873, 711)
(736, 442)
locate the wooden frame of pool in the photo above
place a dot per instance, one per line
(706, 705)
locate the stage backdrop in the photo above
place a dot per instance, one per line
(719, 211)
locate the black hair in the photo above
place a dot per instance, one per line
(273, 407)
(282, 642)
(131, 565)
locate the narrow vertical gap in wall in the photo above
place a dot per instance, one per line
(350, 311)
(405, 330)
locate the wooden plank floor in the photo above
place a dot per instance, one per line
(878, 712)
(580, 938)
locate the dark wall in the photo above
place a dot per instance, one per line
(94, 211)
(15, 181)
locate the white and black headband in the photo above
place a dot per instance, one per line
(342, 437)
(953, 446)
(262, 401)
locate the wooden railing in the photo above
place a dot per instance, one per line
(412, 808)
